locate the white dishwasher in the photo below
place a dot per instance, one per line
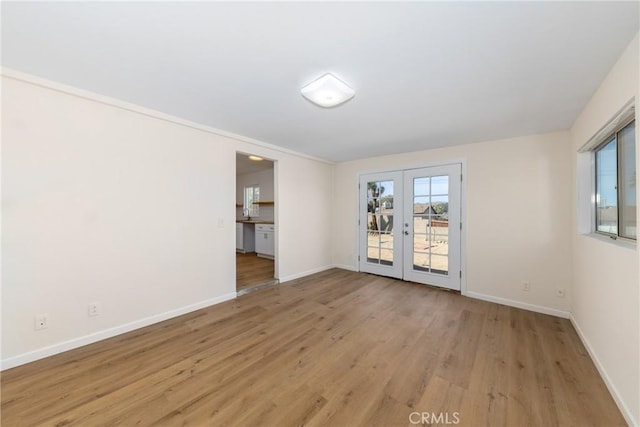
(265, 246)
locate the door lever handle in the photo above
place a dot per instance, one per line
(406, 232)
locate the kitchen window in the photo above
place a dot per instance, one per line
(251, 198)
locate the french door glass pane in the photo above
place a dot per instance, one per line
(421, 205)
(421, 261)
(439, 264)
(386, 257)
(431, 224)
(373, 254)
(421, 186)
(372, 222)
(386, 241)
(607, 188)
(439, 185)
(628, 203)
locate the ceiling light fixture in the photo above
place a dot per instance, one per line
(328, 91)
(256, 158)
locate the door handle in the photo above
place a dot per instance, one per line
(406, 232)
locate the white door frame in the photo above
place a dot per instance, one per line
(463, 209)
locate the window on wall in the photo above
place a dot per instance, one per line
(615, 184)
(251, 198)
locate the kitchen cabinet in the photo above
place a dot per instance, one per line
(265, 244)
(245, 237)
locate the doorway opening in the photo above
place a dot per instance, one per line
(255, 223)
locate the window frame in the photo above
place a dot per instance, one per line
(611, 137)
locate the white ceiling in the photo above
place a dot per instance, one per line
(426, 74)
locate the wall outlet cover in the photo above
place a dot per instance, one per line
(94, 309)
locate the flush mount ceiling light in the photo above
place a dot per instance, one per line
(328, 91)
(256, 158)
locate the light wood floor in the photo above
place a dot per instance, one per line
(334, 349)
(252, 270)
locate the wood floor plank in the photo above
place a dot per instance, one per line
(488, 380)
(458, 357)
(445, 403)
(252, 270)
(388, 412)
(337, 348)
(415, 367)
(531, 397)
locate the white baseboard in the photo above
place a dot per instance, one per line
(345, 267)
(305, 273)
(317, 270)
(626, 413)
(518, 304)
(51, 350)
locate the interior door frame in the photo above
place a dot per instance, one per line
(276, 207)
(463, 208)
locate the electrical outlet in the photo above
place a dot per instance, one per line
(40, 322)
(560, 292)
(526, 286)
(94, 309)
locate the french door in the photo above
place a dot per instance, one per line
(410, 225)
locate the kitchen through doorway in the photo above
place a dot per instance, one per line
(255, 223)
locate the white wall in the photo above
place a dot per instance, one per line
(517, 215)
(265, 180)
(606, 299)
(104, 203)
